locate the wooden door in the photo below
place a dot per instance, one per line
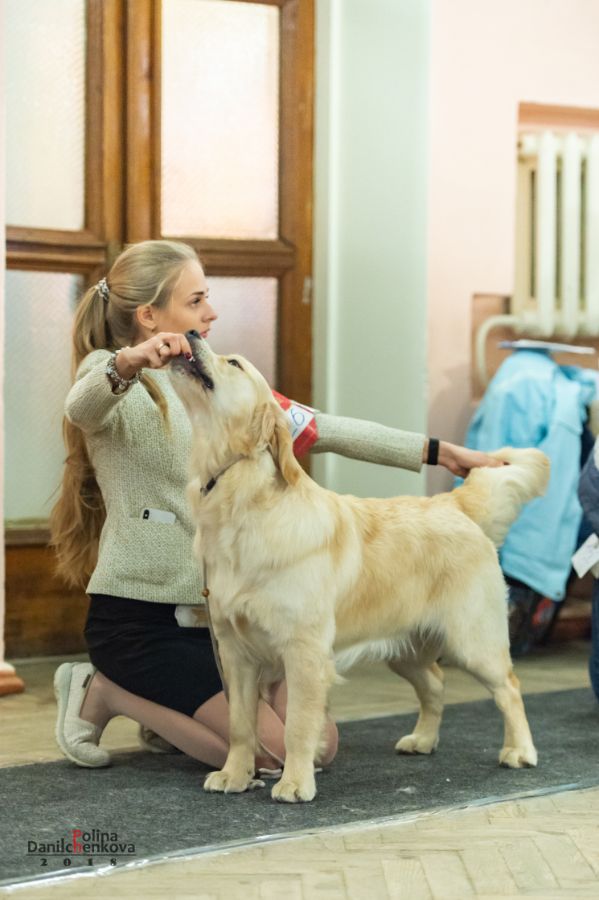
(123, 69)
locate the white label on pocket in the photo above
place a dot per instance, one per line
(159, 515)
(586, 556)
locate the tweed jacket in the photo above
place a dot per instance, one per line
(141, 463)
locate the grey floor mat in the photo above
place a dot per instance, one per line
(154, 805)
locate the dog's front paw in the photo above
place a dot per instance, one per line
(518, 757)
(416, 743)
(288, 790)
(227, 783)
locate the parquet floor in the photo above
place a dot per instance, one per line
(544, 847)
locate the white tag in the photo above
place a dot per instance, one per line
(299, 418)
(186, 617)
(586, 556)
(159, 515)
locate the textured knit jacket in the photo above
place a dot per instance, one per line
(142, 463)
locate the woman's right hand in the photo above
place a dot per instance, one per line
(155, 353)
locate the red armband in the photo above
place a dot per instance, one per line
(302, 423)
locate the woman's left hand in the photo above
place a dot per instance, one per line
(459, 460)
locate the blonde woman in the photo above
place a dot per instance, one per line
(122, 530)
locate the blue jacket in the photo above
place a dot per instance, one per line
(533, 402)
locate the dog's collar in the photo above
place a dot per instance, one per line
(210, 484)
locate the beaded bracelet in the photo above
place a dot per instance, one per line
(119, 384)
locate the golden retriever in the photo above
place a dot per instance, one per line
(300, 576)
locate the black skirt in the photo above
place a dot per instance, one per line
(141, 647)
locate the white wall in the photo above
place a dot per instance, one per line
(487, 56)
(370, 225)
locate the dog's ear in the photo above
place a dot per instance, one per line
(282, 451)
(263, 425)
(274, 431)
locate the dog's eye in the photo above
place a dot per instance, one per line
(233, 362)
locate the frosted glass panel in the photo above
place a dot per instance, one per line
(220, 110)
(247, 320)
(45, 112)
(39, 310)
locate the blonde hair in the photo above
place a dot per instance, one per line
(143, 275)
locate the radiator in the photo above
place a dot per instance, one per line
(556, 288)
(556, 291)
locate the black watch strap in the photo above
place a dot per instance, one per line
(433, 452)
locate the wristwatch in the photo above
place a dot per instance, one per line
(118, 383)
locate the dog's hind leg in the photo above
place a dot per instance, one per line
(497, 675)
(477, 641)
(427, 681)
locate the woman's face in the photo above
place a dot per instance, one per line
(188, 308)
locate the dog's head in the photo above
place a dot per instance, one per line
(231, 408)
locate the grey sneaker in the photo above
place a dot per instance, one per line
(77, 738)
(151, 741)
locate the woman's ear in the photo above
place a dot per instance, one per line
(145, 317)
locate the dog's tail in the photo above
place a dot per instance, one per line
(493, 497)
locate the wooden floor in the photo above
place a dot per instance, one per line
(545, 846)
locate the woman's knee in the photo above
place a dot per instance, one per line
(329, 744)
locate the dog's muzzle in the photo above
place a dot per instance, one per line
(196, 367)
